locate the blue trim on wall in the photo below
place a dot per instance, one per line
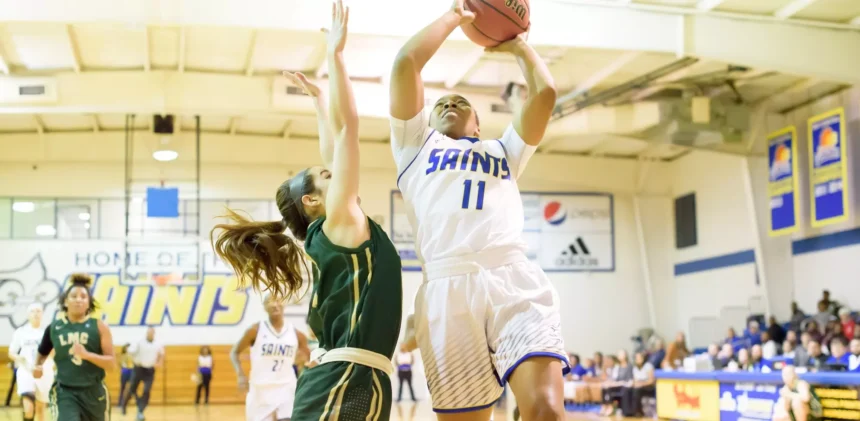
(826, 242)
(711, 263)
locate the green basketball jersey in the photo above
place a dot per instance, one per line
(71, 370)
(357, 292)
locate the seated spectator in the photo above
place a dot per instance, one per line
(621, 376)
(676, 353)
(775, 330)
(753, 333)
(838, 353)
(791, 336)
(727, 355)
(573, 379)
(743, 363)
(643, 385)
(598, 361)
(757, 361)
(834, 331)
(769, 348)
(714, 355)
(854, 358)
(577, 371)
(797, 317)
(801, 352)
(797, 399)
(731, 336)
(788, 351)
(832, 305)
(813, 330)
(823, 317)
(817, 359)
(591, 370)
(658, 354)
(848, 323)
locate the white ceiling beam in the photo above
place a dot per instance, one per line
(599, 76)
(792, 8)
(677, 75)
(94, 120)
(708, 5)
(252, 51)
(464, 66)
(40, 125)
(73, 47)
(181, 48)
(147, 59)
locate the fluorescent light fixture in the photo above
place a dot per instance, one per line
(84, 216)
(165, 155)
(46, 231)
(137, 200)
(86, 225)
(24, 207)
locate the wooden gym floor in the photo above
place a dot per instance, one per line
(400, 412)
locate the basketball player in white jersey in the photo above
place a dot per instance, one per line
(275, 346)
(22, 350)
(485, 315)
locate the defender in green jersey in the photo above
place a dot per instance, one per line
(355, 309)
(83, 351)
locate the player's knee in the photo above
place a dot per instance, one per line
(542, 408)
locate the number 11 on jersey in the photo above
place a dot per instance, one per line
(467, 194)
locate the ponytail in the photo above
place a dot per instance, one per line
(262, 256)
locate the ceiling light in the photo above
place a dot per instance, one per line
(165, 155)
(86, 225)
(24, 207)
(84, 216)
(46, 231)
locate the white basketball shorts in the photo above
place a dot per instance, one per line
(267, 402)
(39, 387)
(476, 320)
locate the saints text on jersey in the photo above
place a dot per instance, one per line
(455, 159)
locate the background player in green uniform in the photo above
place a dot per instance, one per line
(83, 351)
(357, 293)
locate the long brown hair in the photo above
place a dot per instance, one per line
(262, 256)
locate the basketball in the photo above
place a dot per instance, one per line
(496, 21)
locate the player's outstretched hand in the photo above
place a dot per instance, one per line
(339, 22)
(466, 16)
(301, 81)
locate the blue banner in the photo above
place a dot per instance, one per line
(748, 401)
(828, 174)
(782, 184)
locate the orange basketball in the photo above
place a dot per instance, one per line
(496, 21)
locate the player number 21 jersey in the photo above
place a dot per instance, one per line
(273, 354)
(461, 194)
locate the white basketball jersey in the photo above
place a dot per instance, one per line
(461, 194)
(273, 354)
(25, 341)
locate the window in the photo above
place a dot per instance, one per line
(77, 219)
(34, 218)
(5, 218)
(685, 221)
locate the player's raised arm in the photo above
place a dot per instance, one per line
(407, 88)
(533, 116)
(323, 125)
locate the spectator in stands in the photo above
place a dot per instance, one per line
(714, 355)
(823, 317)
(658, 353)
(727, 356)
(204, 368)
(775, 330)
(801, 352)
(731, 336)
(769, 348)
(848, 323)
(643, 385)
(676, 353)
(788, 350)
(797, 401)
(838, 352)
(854, 358)
(591, 370)
(753, 333)
(832, 306)
(757, 361)
(813, 330)
(817, 359)
(577, 371)
(598, 360)
(791, 336)
(613, 388)
(743, 363)
(834, 331)
(797, 317)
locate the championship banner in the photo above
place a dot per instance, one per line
(183, 286)
(693, 400)
(828, 168)
(565, 232)
(782, 187)
(748, 401)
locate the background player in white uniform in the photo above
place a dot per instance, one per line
(276, 346)
(22, 350)
(485, 310)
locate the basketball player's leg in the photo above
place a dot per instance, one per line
(525, 333)
(27, 392)
(450, 319)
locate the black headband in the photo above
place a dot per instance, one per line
(297, 186)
